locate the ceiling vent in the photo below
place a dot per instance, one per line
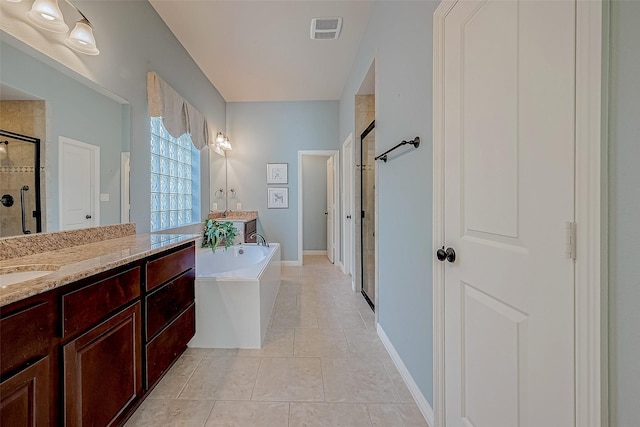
(325, 28)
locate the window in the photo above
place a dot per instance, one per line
(175, 179)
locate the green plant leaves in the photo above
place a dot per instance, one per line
(217, 232)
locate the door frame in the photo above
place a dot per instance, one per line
(336, 200)
(348, 206)
(95, 167)
(591, 286)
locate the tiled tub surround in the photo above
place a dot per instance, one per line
(105, 248)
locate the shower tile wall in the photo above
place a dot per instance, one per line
(16, 166)
(365, 112)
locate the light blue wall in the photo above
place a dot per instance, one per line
(274, 132)
(399, 38)
(133, 39)
(73, 111)
(624, 213)
(314, 179)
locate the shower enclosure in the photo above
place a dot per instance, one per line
(20, 201)
(367, 207)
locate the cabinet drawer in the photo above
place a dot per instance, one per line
(165, 303)
(25, 334)
(86, 306)
(165, 348)
(162, 269)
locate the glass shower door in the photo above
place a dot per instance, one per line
(20, 210)
(367, 233)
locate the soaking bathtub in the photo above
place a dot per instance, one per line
(236, 290)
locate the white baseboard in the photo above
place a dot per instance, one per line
(314, 252)
(290, 263)
(338, 264)
(421, 401)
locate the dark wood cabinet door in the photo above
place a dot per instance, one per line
(103, 371)
(24, 398)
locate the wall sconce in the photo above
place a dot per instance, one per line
(46, 14)
(222, 142)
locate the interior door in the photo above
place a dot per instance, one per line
(347, 203)
(79, 183)
(509, 192)
(331, 241)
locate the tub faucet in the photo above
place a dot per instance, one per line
(260, 240)
(226, 211)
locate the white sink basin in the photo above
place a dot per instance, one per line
(12, 275)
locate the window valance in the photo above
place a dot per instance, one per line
(178, 116)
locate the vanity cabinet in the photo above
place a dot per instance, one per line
(25, 395)
(87, 353)
(103, 371)
(244, 230)
(24, 398)
(101, 346)
(169, 310)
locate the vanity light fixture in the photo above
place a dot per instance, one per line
(225, 144)
(222, 142)
(46, 14)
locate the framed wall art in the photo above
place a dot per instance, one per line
(277, 198)
(277, 173)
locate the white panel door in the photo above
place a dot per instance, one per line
(331, 241)
(79, 184)
(509, 191)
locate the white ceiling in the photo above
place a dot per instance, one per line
(262, 51)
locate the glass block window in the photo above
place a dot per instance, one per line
(175, 179)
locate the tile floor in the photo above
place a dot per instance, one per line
(322, 364)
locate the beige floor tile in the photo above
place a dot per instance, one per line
(401, 388)
(337, 319)
(293, 319)
(329, 414)
(357, 380)
(160, 412)
(222, 378)
(277, 343)
(320, 343)
(363, 342)
(289, 379)
(396, 416)
(211, 352)
(249, 414)
(174, 381)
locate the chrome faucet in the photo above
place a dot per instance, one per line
(260, 240)
(226, 211)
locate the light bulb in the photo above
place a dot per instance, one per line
(47, 15)
(81, 38)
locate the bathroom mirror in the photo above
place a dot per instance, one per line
(218, 180)
(64, 107)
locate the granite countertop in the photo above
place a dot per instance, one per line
(77, 262)
(235, 216)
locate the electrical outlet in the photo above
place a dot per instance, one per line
(214, 206)
(238, 206)
(104, 197)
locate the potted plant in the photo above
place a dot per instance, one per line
(218, 233)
